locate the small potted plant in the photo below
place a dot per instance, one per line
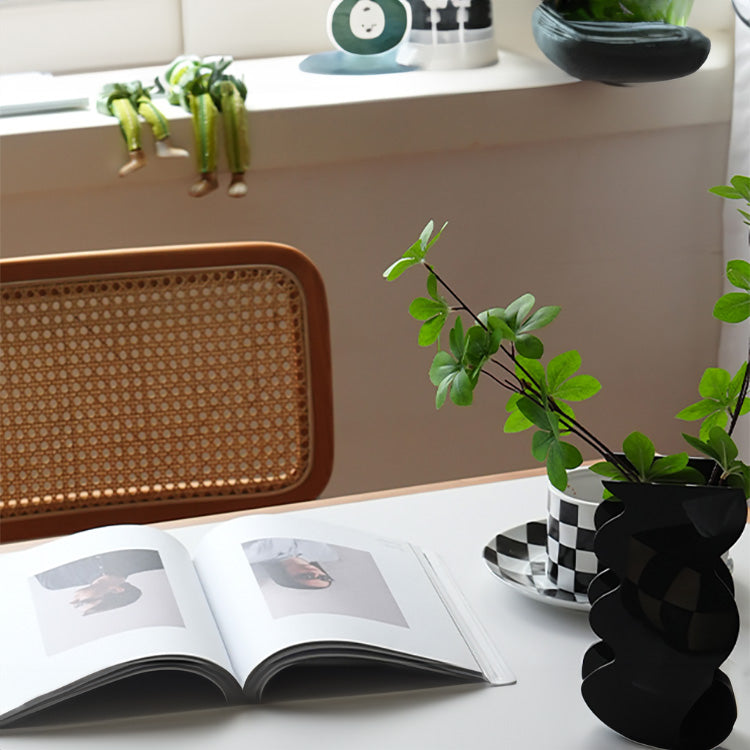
(663, 596)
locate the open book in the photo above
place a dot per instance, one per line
(258, 596)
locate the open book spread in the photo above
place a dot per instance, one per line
(258, 595)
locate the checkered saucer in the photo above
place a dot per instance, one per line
(518, 557)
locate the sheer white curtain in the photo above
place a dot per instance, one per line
(734, 338)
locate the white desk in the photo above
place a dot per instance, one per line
(542, 644)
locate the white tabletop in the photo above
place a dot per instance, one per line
(542, 644)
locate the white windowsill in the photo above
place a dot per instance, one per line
(299, 118)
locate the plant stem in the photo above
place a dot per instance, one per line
(534, 392)
(463, 305)
(741, 396)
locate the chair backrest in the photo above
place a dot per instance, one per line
(151, 384)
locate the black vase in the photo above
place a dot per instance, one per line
(664, 609)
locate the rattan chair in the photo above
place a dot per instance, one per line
(153, 384)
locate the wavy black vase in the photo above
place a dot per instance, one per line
(618, 52)
(664, 609)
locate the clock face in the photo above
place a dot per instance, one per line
(367, 20)
(368, 27)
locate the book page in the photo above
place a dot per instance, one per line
(274, 582)
(83, 604)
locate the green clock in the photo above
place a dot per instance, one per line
(368, 27)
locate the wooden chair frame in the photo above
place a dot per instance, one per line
(50, 513)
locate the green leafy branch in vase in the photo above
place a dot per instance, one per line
(502, 345)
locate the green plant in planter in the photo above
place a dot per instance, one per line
(667, 11)
(501, 344)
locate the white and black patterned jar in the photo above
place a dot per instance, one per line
(450, 34)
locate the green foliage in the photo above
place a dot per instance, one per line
(720, 447)
(665, 11)
(415, 254)
(641, 454)
(734, 307)
(501, 342)
(720, 392)
(516, 321)
(738, 189)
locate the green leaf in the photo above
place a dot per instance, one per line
(639, 450)
(429, 332)
(420, 248)
(442, 366)
(666, 465)
(558, 477)
(724, 191)
(462, 391)
(516, 422)
(432, 287)
(714, 383)
(561, 367)
(741, 184)
(578, 388)
(456, 339)
(540, 443)
(442, 390)
(534, 413)
(735, 386)
(542, 317)
(497, 324)
(723, 445)
(424, 237)
(396, 269)
(534, 369)
(738, 273)
(606, 469)
(733, 307)
(517, 310)
(571, 456)
(701, 446)
(529, 346)
(699, 410)
(423, 309)
(717, 419)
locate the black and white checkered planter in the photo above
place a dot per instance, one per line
(571, 561)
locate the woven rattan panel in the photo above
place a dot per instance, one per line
(151, 387)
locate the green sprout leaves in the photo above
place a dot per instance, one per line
(720, 447)
(738, 189)
(640, 453)
(516, 321)
(541, 403)
(415, 254)
(457, 371)
(720, 393)
(558, 385)
(433, 310)
(734, 307)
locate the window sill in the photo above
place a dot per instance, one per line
(299, 118)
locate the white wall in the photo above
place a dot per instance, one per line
(618, 229)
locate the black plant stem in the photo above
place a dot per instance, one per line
(742, 395)
(716, 471)
(571, 424)
(463, 305)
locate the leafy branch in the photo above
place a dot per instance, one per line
(502, 344)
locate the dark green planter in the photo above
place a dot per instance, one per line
(619, 53)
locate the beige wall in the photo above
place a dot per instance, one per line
(618, 229)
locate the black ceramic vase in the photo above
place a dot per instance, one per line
(619, 52)
(665, 612)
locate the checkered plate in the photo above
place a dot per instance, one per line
(518, 557)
